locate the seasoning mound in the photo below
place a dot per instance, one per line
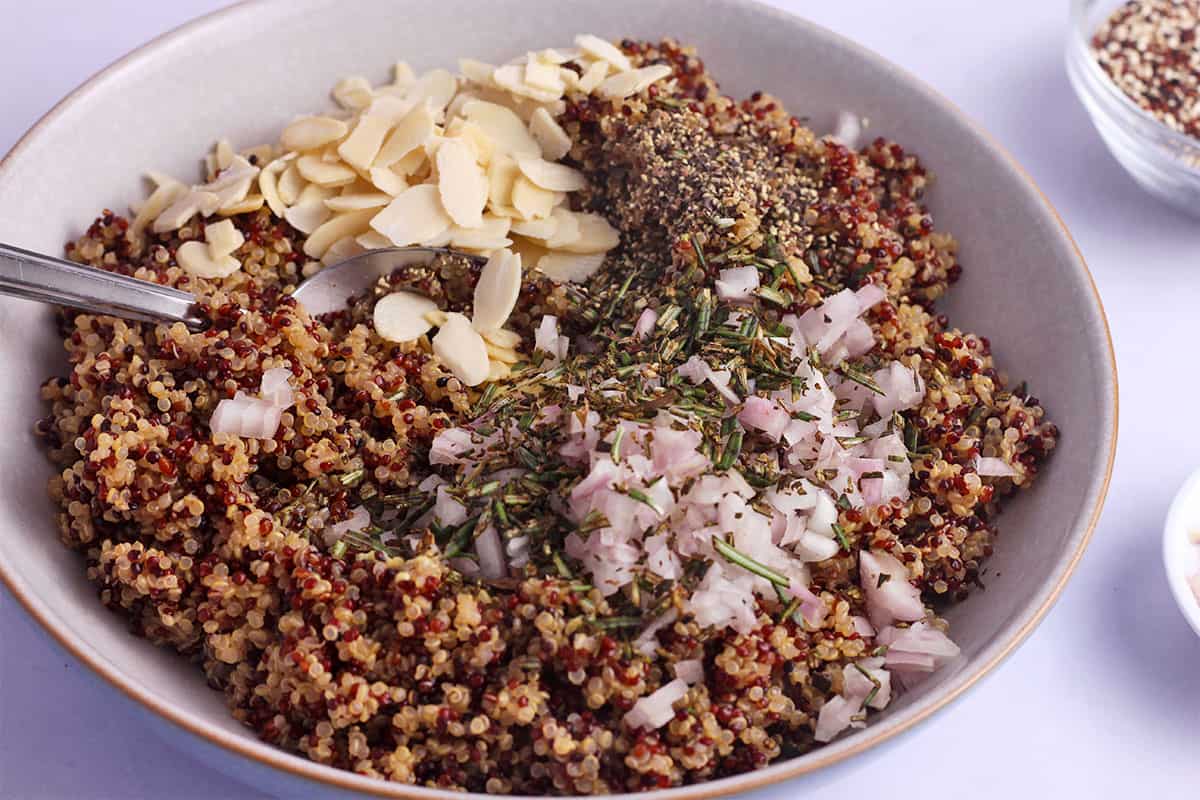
(726, 465)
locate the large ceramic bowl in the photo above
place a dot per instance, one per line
(243, 72)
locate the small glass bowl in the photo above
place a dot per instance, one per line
(1165, 162)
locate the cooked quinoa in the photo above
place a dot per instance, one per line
(385, 651)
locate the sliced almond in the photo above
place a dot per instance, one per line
(435, 88)
(567, 229)
(252, 202)
(497, 290)
(167, 192)
(223, 154)
(476, 71)
(604, 50)
(462, 184)
(373, 240)
(540, 229)
(233, 183)
(356, 202)
(498, 371)
(194, 258)
(491, 235)
(309, 133)
(400, 316)
(504, 338)
(413, 164)
(340, 226)
(462, 350)
(554, 141)
(436, 318)
(307, 217)
(402, 74)
(391, 107)
(557, 55)
(530, 251)
(504, 355)
(626, 84)
(291, 183)
(362, 145)
(315, 193)
(387, 181)
(570, 267)
(531, 201)
(316, 170)
(185, 206)
(475, 136)
(353, 93)
(260, 154)
(412, 131)
(592, 77)
(414, 216)
(504, 128)
(223, 238)
(541, 75)
(440, 240)
(512, 78)
(552, 176)
(502, 174)
(595, 235)
(342, 249)
(268, 184)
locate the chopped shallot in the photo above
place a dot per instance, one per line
(657, 709)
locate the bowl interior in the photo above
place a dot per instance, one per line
(245, 72)
(1181, 557)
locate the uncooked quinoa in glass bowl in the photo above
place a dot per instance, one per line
(1136, 68)
(671, 475)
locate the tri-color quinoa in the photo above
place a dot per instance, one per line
(376, 653)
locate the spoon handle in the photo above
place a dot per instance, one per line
(34, 276)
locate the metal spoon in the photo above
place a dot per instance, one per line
(35, 276)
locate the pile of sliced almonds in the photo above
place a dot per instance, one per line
(468, 161)
(474, 350)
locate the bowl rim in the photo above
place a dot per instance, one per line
(297, 767)
(1175, 538)
(1116, 102)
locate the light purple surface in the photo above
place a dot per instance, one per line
(1101, 702)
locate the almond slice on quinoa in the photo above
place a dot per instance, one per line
(223, 238)
(233, 183)
(543, 76)
(570, 267)
(315, 193)
(252, 202)
(503, 126)
(360, 148)
(498, 371)
(552, 176)
(626, 84)
(309, 133)
(596, 235)
(194, 258)
(603, 50)
(436, 317)
(185, 206)
(505, 355)
(435, 88)
(358, 201)
(503, 338)
(532, 201)
(306, 217)
(502, 175)
(163, 197)
(462, 183)
(387, 181)
(353, 93)
(400, 316)
(475, 136)
(491, 235)
(496, 291)
(592, 77)
(268, 184)
(415, 215)
(316, 169)
(554, 141)
(413, 130)
(462, 350)
(290, 184)
(350, 223)
(223, 154)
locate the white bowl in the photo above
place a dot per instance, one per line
(1181, 556)
(245, 71)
